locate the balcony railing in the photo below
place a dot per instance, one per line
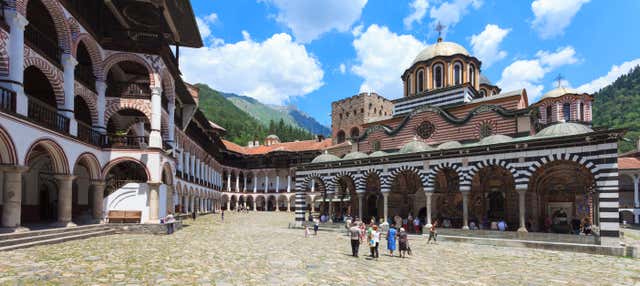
(84, 74)
(126, 141)
(44, 43)
(129, 90)
(48, 116)
(87, 134)
(7, 100)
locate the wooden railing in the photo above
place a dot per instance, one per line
(42, 42)
(126, 141)
(87, 134)
(47, 116)
(7, 100)
(129, 90)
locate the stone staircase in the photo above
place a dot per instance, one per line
(10, 241)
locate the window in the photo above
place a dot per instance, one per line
(340, 115)
(420, 81)
(581, 111)
(355, 132)
(482, 93)
(566, 111)
(408, 85)
(472, 75)
(437, 76)
(340, 136)
(457, 73)
(376, 145)
(549, 113)
(361, 110)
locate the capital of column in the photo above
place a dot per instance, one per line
(13, 168)
(98, 183)
(101, 87)
(64, 177)
(15, 19)
(428, 194)
(68, 61)
(154, 184)
(156, 90)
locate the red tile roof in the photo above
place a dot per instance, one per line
(628, 163)
(297, 146)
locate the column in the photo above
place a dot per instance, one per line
(244, 186)
(101, 90)
(155, 138)
(428, 195)
(255, 184)
(266, 184)
(313, 185)
(229, 182)
(330, 197)
(636, 194)
(69, 65)
(385, 196)
(228, 204)
(65, 183)
(521, 209)
(289, 184)
(277, 204)
(98, 200)
(238, 182)
(172, 112)
(313, 203)
(17, 22)
(300, 210)
(154, 202)
(360, 198)
(277, 183)
(12, 197)
(465, 209)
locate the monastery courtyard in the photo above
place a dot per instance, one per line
(258, 249)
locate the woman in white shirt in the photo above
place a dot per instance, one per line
(374, 241)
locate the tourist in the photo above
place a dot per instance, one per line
(315, 226)
(576, 225)
(222, 215)
(384, 226)
(433, 233)
(403, 240)
(374, 241)
(416, 225)
(169, 221)
(397, 220)
(391, 239)
(193, 215)
(446, 223)
(547, 224)
(409, 221)
(356, 238)
(362, 230)
(306, 231)
(502, 225)
(472, 225)
(586, 226)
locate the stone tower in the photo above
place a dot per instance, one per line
(349, 114)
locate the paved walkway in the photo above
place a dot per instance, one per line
(258, 249)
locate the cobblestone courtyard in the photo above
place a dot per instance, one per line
(258, 249)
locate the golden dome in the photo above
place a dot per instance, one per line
(558, 92)
(440, 49)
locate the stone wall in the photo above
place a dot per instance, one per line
(351, 113)
(138, 228)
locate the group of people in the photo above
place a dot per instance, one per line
(396, 236)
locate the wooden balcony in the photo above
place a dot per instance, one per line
(7, 100)
(132, 90)
(88, 135)
(47, 116)
(127, 142)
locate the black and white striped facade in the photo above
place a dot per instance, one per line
(462, 94)
(596, 151)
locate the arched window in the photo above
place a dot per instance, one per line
(340, 137)
(581, 111)
(457, 73)
(420, 81)
(355, 132)
(472, 75)
(438, 76)
(482, 93)
(409, 85)
(566, 112)
(549, 113)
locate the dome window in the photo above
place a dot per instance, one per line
(549, 114)
(482, 93)
(457, 74)
(472, 75)
(420, 81)
(581, 111)
(437, 76)
(566, 111)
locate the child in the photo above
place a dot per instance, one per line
(306, 231)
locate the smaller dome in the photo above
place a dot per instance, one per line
(378, 154)
(564, 129)
(485, 80)
(558, 92)
(355, 155)
(415, 146)
(273, 136)
(326, 157)
(450, 145)
(495, 139)
(440, 48)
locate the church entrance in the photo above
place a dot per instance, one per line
(493, 198)
(372, 205)
(448, 199)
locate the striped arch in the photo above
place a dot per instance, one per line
(8, 154)
(53, 75)
(371, 172)
(92, 164)
(525, 176)
(118, 104)
(306, 183)
(487, 163)
(59, 21)
(110, 61)
(336, 178)
(94, 53)
(431, 176)
(402, 169)
(59, 160)
(90, 98)
(107, 168)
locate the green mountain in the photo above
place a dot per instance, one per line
(241, 126)
(266, 113)
(618, 106)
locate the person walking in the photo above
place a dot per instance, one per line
(315, 226)
(403, 239)
(416, 225)
(222, 215)
(374, 242)
(193, 215)
(356, 238)
(306, 231)
(391, 239)
(432, 231)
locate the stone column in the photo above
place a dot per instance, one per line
(255, 184)
(228, 204)
(172, 131)
(155, 138)
(330, 197)
(101, 90)
(428, 195)
(277, 204)
(98, 200)
(65, 197)
(237, 183)
(277, 183)
(636, 194)
(17, 22)
(360, 199)
(266, 184)
(12, 197)
(69, 64)
(385, 196)
(229, 182)
(244, 187)
(521, 210)
(289, 184)
(154, 202)
(465, 210)
(170, 202)
(288, 205)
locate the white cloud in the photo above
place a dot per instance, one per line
(205, 31)
(562, 56)
(308, 19)
(381, 58)
(450, 13)
(419, 8)
(611, 76)
(211, 18)
(343, 69)
(553, 16)
(529, 74)
(357, 30)
(204, 25)
(486, 45)
(271, 71)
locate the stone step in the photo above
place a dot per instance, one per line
(82, 235)
(47, 231)
(50, 235)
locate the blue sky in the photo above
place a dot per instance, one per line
(310, 53)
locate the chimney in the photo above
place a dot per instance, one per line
(320, 137)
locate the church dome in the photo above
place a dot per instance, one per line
(273, 136)
(378, 154)
(450, 145)
(355, 155)
(564, 129)
(495, 139)
(326, 157)
(415, 146)
(558, 92)
(440, 48)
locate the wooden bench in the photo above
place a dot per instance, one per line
(124, 216)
